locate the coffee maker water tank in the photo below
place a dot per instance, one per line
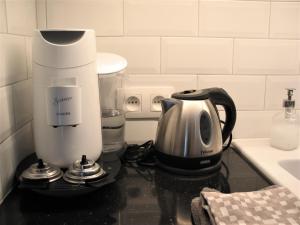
(66, 113)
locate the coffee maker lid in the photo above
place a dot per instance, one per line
(109, 64)
(63, 48)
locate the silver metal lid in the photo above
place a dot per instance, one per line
(83, 170)
(41, 171)
(287, 103)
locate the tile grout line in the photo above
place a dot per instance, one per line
(27, 58)
(123, 18)
(18, 35)
(269, 27)
(265, 94)
(15, 82)
(198, 22)
(36, 14)
(6, 17)
(160, 55)
(201, 37)
(14, 111)
(17, 130)
(46, 13)
(217, 74)
(232, 63)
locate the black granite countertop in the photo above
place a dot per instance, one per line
(139, 197)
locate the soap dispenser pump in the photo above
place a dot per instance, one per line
(285, 126)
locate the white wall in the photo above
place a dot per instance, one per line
(17, 20)
(251, 48)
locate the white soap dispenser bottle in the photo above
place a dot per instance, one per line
(285, 127)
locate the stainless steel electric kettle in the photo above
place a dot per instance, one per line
(189, 133)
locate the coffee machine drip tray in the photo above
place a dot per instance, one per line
(83, 177)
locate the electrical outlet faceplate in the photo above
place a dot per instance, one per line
(143, 102)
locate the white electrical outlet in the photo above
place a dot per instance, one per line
(143, 102)
(157, 96)
(133, 103)
(155, 103)
(130, 100)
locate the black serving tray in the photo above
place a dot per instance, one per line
(60, 188)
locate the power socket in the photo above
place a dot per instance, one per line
(133, 103)
(155, 103)
(143, 102)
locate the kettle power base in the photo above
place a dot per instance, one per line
(190, 172)
(189, 166)
(147, 155)
(61, 188)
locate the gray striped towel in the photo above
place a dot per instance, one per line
(274, 205)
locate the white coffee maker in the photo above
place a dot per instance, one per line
(66, 114)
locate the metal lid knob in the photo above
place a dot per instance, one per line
(83, 170)
(41, 171)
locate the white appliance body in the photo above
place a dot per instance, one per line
(66, 114)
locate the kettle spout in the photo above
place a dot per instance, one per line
(168, 103)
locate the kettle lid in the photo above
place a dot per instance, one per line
(192, 94)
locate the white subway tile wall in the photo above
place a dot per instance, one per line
(196, 55)
(266, 56)
(13, 59)
(29, 55)
(247, 91)
(161, 17)
(179, 82)
(146, 130)
(3, 24)
(7, 114)
(22, 98)
(21, 16)
(142, 53)
(41, 16)
(285, 20)
(234, 18)
(17, 21)
(13, 150)
(250, 48)
(253, 124)
(275, 90)
(104, 16)
(285, 0)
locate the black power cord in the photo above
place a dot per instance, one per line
(140, 154)
(141, 157)
(225, 147)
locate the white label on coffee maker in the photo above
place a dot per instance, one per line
(63, 106)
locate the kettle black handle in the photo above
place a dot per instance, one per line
(219, 96)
